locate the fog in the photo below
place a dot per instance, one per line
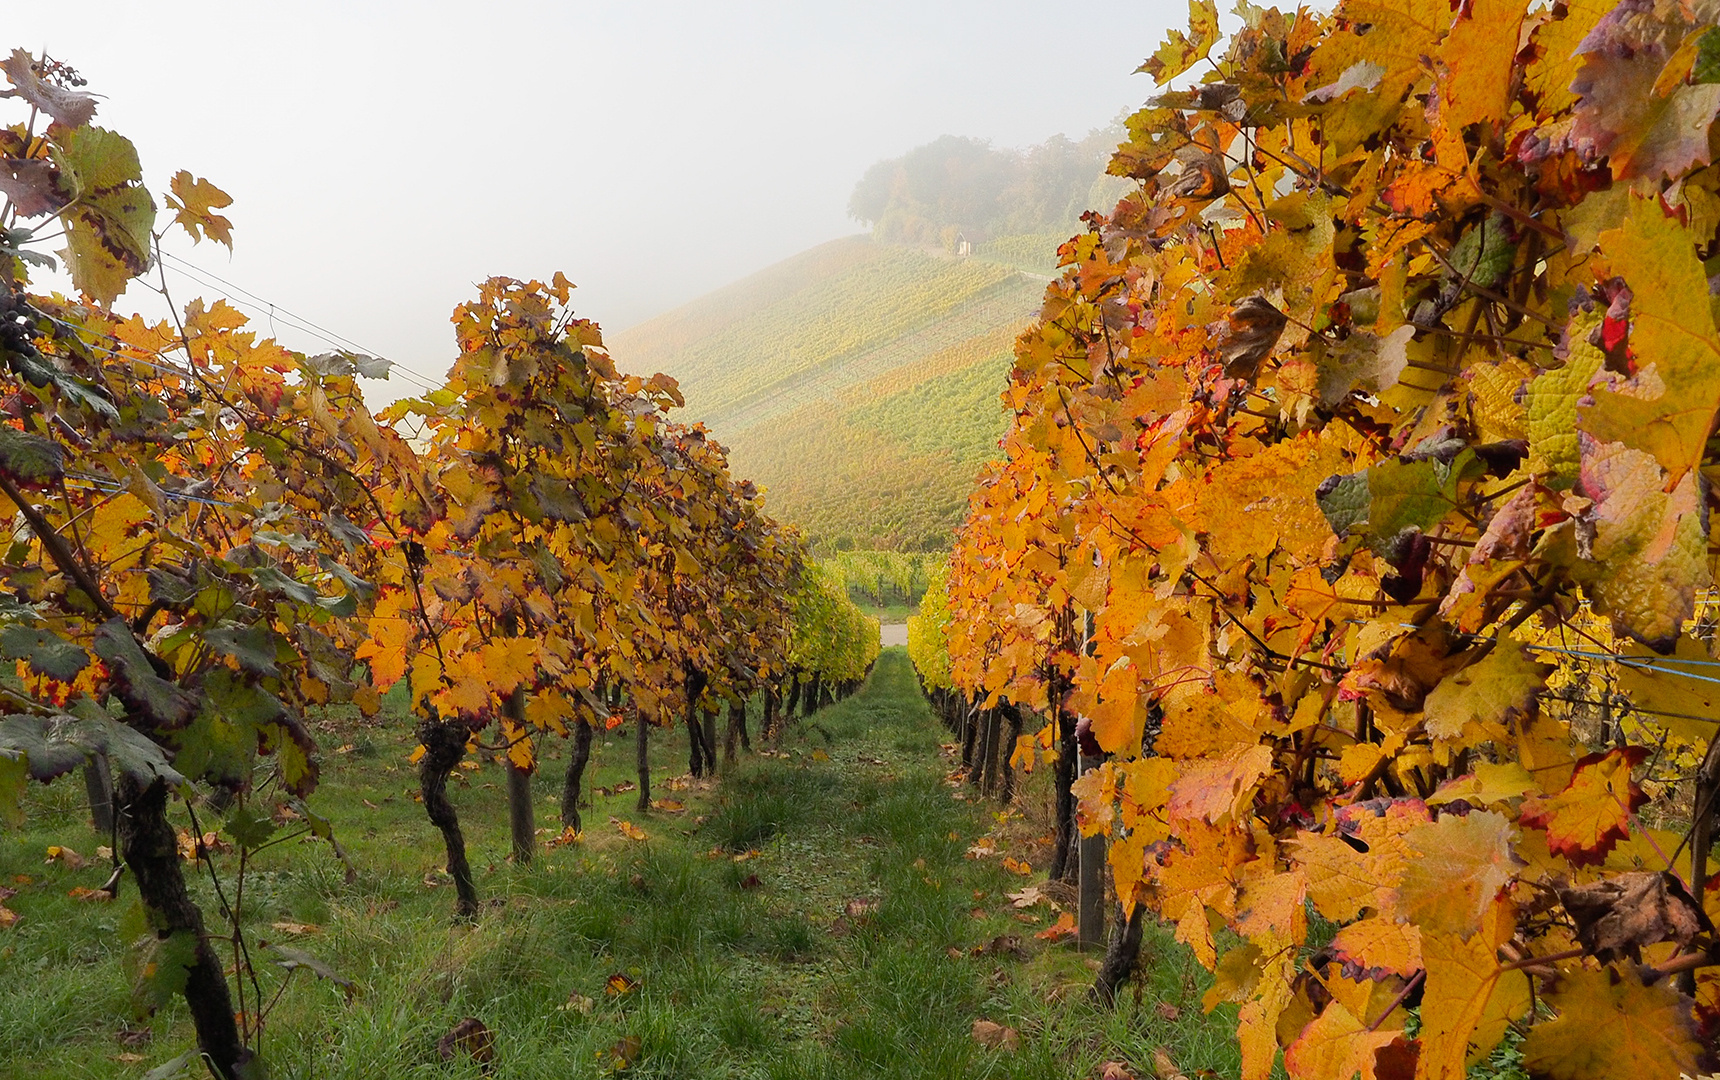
(383, 157)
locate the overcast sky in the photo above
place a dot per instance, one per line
(383, 157)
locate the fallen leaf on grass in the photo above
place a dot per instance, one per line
(128, 1059)
(296, 928)
(979, 913)
(1164, 1067)
(1115, 1070)
(1018, 866)
(471, 1036)
(104, 852)
(620, 984)
(629, 830)
(669, 806)
(580, 1004)
(471, 766)
(1057, 931)
(981, 848)
(568, 835)
(370, 804)
(89, 895)
(66, 855)
(1026, 897)
(954, 953)
(623, 1055)
(860, 909)
(750, 853)
(7, 917)
(130, 1036)
(819, 755)
(1167, 1011)
(1002, 945)
(996, 1036)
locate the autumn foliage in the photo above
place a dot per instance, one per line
(1368, 431)
(213, 539)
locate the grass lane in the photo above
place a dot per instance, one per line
(813, 915)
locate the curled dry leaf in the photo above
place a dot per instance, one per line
(65, 855)
(994, 1036)
(1619, 916)
(471, 1037)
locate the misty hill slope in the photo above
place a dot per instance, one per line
(856, 382)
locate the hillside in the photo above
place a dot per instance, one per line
(856, 382)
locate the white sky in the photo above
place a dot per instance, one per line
(383, 157)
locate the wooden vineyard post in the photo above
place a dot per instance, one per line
(1090, 929)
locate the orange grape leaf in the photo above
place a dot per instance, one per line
(1477, 54)
(1217, 787)
(1458, 867)
(1057, 931)
(1337, 1044)
(629, 830)
(1017, 866)
(196, 201)
(1377, 947)
(1611, 1025)
(670, 806)
(1593, 813)
(1182, 51)
(1343, 880)
(1490, 691)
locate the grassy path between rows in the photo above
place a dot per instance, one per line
(814, 914)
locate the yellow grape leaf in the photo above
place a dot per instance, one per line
(1459, 866)
(629, 830)
(1488, 785)
(1649, 553)
(1670, 414)
(1467, 1001)
(1610, 1025)
(1017, 866)
(1490, 691)
(1556, 62)
(549, 710)
(1216, 788)
(1375, 947)
(522, 753)
(1182, 51)
(113, 537)
(1343, 880)
(196, 201)
(1553, 397)
(1662, 684)
(1593, 812)
(369, 702)
(417, 752)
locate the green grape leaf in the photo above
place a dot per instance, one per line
(47, 653)
(164, 704)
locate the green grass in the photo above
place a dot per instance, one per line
(747, 968)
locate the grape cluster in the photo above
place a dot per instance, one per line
(18, 331)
